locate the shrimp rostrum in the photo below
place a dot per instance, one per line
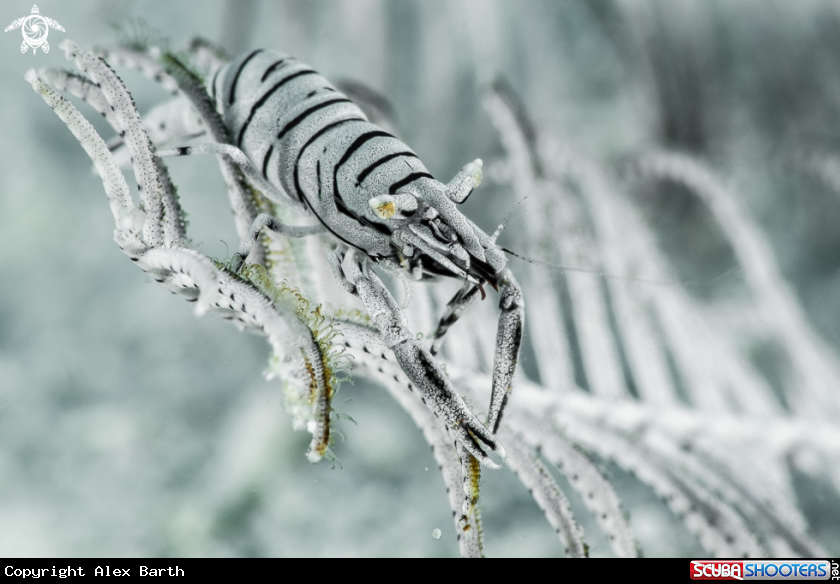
(304, 144)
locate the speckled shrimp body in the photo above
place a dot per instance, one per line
(318, 150)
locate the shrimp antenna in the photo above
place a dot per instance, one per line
(537, 262)
(605, 275)
(507, 218)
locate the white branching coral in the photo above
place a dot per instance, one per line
(668, 397)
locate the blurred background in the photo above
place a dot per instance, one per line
(128, 427)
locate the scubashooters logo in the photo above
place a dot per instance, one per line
(763, 570)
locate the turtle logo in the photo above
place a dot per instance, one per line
(35, 30)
